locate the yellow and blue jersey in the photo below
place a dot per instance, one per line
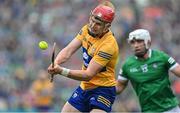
(101, 88)
(103, 51)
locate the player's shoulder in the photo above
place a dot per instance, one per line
(84, 30)
(158, 53)
(128, 63)
(111, 45)
(130, 60)
(109, 39)
(110, 35)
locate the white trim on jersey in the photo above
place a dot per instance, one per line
(172, 67)
(150, 53)
(121, 78)
(171, 60)
(173, 110)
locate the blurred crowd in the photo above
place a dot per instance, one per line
(23, 23)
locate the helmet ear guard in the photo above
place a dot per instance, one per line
(140, 34)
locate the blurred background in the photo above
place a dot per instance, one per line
(24, 85)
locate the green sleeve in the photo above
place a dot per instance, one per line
(169, 61)
(123, 73)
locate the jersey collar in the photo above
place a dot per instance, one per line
(150, 53)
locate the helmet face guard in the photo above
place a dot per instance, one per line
(104, 13)
(140, 34)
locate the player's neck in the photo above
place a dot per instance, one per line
(146, 55)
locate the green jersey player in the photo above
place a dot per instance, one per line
(147, 71)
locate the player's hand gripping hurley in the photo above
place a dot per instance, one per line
(52, 60)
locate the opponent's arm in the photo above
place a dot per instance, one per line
(176, 70)
(68, 51)
(81, 75)
(122, 80)
(121, 85)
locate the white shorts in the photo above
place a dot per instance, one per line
(173, 110)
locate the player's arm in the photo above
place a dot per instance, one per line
(121, 85)
(121, 82)
(68, 51)
(86, 75)
(172, 65)
(176, 70)
(81, 75)
(95, 66)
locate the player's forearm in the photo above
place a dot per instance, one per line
(120, 86)
(176, 70)
(119, 89)
(63, 56)
(81, 75)
(68, 51)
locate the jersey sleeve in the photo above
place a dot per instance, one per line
(122, 75)
(104, 54)
(169, 61)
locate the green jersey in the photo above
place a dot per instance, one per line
(150, 80)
